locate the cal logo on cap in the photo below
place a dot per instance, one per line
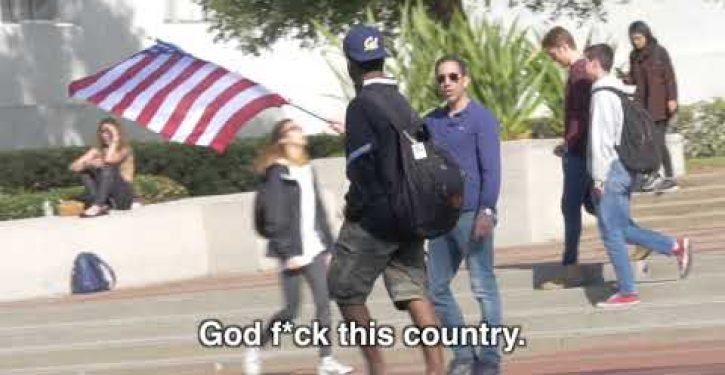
(370, 44)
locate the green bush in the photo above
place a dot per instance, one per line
(25, 205)
(509, 73)
(703, 127)
(157, 189)
(148, 189)
(200, 170)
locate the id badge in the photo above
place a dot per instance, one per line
(419, 151)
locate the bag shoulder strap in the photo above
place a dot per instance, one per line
(395, 119)
(615, 90)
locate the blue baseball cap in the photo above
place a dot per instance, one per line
(364, 43)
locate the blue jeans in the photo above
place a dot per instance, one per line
(445, 255)
(617, 228)
(577, 193)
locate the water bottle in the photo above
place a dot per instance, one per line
(47, 208)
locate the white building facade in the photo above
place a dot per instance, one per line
(45, 44)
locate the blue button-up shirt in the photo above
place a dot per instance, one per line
(471, 136)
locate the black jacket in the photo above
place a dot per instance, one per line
(280, 199)
(373, 158)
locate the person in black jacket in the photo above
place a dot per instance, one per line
(367, 246)
(291, 215)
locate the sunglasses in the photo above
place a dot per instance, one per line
(453, 77)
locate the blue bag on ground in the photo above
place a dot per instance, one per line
(89, 276)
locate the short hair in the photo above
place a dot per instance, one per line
(453, 58)
(602, 53)
(558, 36)
(376, 65)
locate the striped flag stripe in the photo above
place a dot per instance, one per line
(190, 117)
(163, 105)
(129, 85)
(120, 80)
(199, 105)
(181, 97)
(165, 83)
(242, 116)
(211, 110)
(153, 78)
(225, 112)
(85, 88)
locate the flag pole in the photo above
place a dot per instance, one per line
(313, 114)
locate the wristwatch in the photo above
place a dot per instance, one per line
(488, 212)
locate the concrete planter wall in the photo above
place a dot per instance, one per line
(214, 235)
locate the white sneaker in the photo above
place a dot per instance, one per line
(252, 362)
(330, 366)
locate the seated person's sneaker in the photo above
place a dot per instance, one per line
(330, 366)
(252, 362)
(683, 253)
(94, 211)
(618, 301)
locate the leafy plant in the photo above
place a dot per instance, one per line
(703, 126)
(509, 74)
(23, 204)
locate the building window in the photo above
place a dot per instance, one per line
(184, 11)
(13, 11)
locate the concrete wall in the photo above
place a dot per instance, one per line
(214, 235)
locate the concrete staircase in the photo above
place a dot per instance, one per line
(154, 330)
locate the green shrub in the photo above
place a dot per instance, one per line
(156, 189)
(509, 73)
(25, 205)
(703, 127)
(148, 189)
(200, 170)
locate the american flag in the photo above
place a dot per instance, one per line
(181, 97)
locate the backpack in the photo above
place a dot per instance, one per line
(427, 198)
(88, 275)
(637, 149)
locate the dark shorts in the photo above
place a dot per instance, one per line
(358, 260)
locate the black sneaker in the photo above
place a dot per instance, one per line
(667, 185)
(650, 183)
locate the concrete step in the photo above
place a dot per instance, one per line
(559, 330)
(593, 251)
(703, 178)
(511, 279)
(684, 193)
(680, 222)
(680, 207)
(703, 286)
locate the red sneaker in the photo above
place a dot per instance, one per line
(683, 253)
(618, 301)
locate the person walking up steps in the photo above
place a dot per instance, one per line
(613, 182)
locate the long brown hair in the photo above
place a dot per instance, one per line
(122, 138)
(274, 149)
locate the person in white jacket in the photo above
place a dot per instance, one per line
(613, 184)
